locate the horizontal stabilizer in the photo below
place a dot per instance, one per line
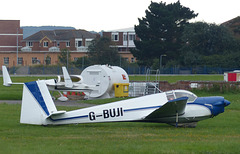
(57, 112)
(170, 109)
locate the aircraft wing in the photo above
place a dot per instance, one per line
(171, 108)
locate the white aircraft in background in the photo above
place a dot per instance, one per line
(65, 83)
(177, 107)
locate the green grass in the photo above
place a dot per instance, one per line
(175, 78)
(218, 135)
(15, 91)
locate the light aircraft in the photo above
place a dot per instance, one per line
(176, 107)
(65, 83)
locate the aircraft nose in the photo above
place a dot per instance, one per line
(226, 102)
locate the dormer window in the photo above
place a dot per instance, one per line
(68, 44)
(45, 44)
(29, 44)
(115, 37)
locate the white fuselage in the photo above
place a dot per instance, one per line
(134, 109)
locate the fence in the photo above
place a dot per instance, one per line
(141, 70)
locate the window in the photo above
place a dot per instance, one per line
(45, 44)
(79, 43)
(48, 60)
(124, 37)
(6, 60)
(68, 44)
(20, 60)
(88, 42)
(34, 60)
(115, 37)
(131, 37)
(132, 60)
(29, 44)
(76, 58)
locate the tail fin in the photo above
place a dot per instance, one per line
(67, 79)
(37, 104)
(6, 78)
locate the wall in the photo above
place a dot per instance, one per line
(9, 31)
(27, 57)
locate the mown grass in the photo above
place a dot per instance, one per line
(218, 135)
(175, 78)
(15, 91)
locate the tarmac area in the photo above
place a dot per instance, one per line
(72, 103)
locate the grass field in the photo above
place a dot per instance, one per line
(15, 91)
(220, 134)
(175, 78)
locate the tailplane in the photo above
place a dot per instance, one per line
(37, 104)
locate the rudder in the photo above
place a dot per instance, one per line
(37, 103)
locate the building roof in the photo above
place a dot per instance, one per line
(60, 35)
(234, 26)
(232, 21)
(130, 29)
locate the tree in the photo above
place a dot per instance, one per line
(64, 58)
(48, 60)
(101, 51)
(207, 44)
(82, 62)
(160, 31)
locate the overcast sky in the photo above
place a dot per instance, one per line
(105, 15)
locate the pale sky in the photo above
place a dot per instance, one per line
(106, 15)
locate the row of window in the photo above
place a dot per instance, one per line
(45, 44)
(115, 37)
(34, 60)
(78, 43)
(47, 60)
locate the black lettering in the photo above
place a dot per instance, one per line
(121, 110)
(112, 112)
(92, 116)
(105, 114)
(118, 113)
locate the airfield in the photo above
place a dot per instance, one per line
(220, 134)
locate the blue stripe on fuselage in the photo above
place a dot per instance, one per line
(86, 116)
(34, 89)
(69, 118)
(142, 108)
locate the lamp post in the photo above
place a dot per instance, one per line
(17, 46)
(160, 62)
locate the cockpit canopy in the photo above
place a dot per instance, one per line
(174, 94)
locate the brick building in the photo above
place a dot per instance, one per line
(46, 45)
(124, 41)
(11, 36)
(40, 47)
